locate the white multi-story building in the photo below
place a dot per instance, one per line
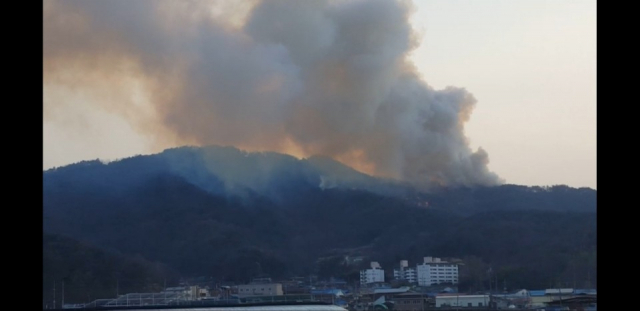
(405, 273)
(373, 275)
(435, 271)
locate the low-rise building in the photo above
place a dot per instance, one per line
(540, 298)
(411, 302)
(267, 289)
(327, 295)
(454, 300)
(520, 299)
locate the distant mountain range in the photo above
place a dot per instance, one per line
(233, 215)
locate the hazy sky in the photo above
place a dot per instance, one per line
(530, 64)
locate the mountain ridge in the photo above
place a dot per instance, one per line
(184, 208)
(211, 167)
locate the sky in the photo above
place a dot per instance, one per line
(529, 64)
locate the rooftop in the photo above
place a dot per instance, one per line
(391, 290)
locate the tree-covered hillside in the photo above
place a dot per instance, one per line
(184, 208)
(89, 272)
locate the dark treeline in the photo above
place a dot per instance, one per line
(83, 272)
(194, 223)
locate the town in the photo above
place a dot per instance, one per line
(430, 285)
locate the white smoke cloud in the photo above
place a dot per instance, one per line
(310, 77)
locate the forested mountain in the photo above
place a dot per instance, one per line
(233, 215)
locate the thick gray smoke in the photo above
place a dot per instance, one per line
(301, 77)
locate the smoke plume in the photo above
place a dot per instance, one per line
(301, 77)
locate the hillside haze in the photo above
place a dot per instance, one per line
(233, 215)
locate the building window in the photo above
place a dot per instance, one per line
(469, 305)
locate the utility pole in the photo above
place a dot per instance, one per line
(490, 279)
(574, 275)
(489, 282)
(560, 293)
